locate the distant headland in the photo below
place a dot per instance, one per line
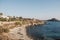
(53, 19)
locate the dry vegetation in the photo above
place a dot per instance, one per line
(6, 24)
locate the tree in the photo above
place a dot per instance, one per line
(3, 19)
(1, 13)
(20, 17)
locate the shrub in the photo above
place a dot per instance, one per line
(6, 30)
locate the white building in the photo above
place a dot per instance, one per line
(3, 16)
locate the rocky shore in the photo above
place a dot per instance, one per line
(14, 28)
(17, 29)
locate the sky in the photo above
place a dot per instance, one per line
(39, 9)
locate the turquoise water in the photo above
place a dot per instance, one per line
(49, 30)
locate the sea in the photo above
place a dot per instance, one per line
(49, 31)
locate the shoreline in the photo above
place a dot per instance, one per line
(15, 26)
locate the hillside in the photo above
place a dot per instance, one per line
(14, 28)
